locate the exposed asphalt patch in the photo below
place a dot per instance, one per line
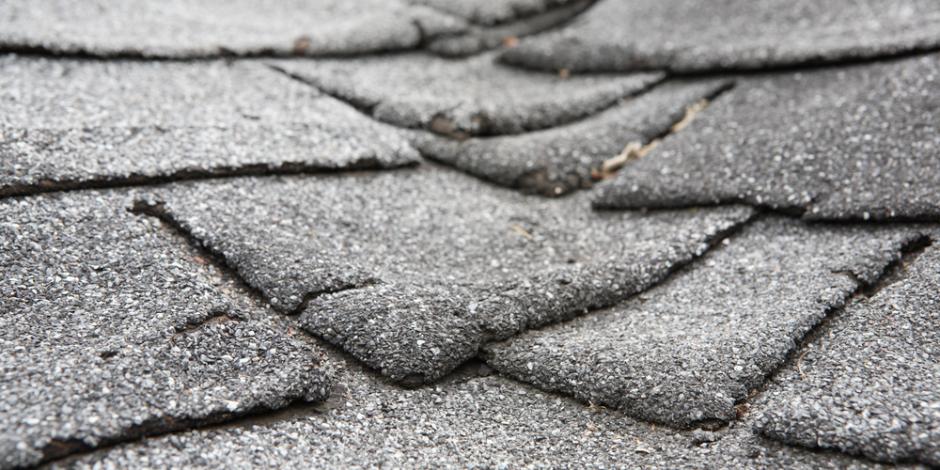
(442, 261)
(461, 97)
(686, 36)
(555, 161)
(72, 123)
(693, 347)
(213, 28)
(113, 329)
(850, 143)
(487, 422)
(871, 386)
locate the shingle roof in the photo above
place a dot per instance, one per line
(373, 253)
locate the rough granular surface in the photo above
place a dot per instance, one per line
(871, 384)
(458, 97)
(848, 143)
(211, 28)
(692, 348)
(112, 329)
(555, 161)
(71, 123)
(691, 36)
(411, 270)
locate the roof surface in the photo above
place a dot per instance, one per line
(419, 233)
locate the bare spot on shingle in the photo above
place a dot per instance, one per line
(442, 261)
(691, 36)
(692, 348)
(556, 161)
(111, 330)
(871, 386)
(72, 123)
(848, 143)
(463, 97)
(212, 28)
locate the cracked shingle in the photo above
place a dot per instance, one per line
(870, 385)
(691, 36)
(487, 422)
(848, 143)
(463, 97)
(71, 123)
(486, 12)
(555, 161)
(212, 28)
(430, 262)
(692, 348)
(111, 329)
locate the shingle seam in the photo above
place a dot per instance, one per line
(891, 273)
(219, 172)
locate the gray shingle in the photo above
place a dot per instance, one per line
(555, 161)
(112, 329)
(464, 97)
(72, 123)
(870, 385)
(692, 348)
(687, 35)
(432, 262)
(848, 143)
(201, 28)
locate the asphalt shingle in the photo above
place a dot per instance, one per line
(692, 348)
(487, 422)
(555, 161)
(432, 262)
(689, 36)
(471, 96)
(67, 123)
(847, 143)
(870, 385)
(211, 28)
(486, 12)
(112, 329)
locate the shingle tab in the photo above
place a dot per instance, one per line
(693, 347)
(67, 123)
(471, 96)
(871, 385)
(847, 143)
(111, 329)
(691, 36)
(555, 161)
(431, 262)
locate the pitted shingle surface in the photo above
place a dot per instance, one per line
(847, 143)
(440, 261)
(468, 96)
(688, 35)
(693, 347)
(110, 329)
(487, 422)
(71, 122)
(201, 28)
(870, 385)
(558, 160)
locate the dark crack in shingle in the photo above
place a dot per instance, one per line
(487, 422)
(692, 36)
(71, 123)
(489, 13)
(849, 143)
(871, 385)
(690, 349)
(212, 28)
(555, 161)
(111, 329)
(442, 261)
(464, 97)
